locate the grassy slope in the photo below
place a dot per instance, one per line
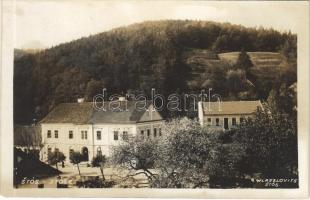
(199, 60)
(266, 64)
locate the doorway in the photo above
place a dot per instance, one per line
(84, 154)
(225, 123)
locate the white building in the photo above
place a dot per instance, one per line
(80, 127)
(226, 114)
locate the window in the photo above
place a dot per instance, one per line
(84, 135)
(49, 134)
(98, 135)
(148, 132)
(155, 132)
(159, 132)
(70, 134)
(233, 121)
(125, 135)
(209, 121)
(241, 120)
(115, 135)
(56, 134)
(217, 120)
(226, 123)
(142, 134)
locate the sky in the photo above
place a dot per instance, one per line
(46, 23)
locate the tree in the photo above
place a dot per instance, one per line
(226, 163)
(93, 88)
(189, 156)
(289, 48)
(235, 81)
(138, 156)
(55, 157)
(186, 156)
(76, 158)
(99, 161)
(221, 43)
(187, 153)
(283, 99)
(28, 137)
(244, 62)
(273, 99)
(270, 139)
(217, 76)
(137, 57)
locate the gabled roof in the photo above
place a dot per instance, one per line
(85, 113)
(230, 107)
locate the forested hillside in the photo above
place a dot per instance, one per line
(171, 56)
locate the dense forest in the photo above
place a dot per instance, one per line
(161, 55)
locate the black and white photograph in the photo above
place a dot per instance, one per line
(135, 95)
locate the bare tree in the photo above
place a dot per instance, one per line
(28, 137)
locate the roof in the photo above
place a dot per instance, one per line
(85, 113)
(230, 107)
(128, 113)
(77, 113)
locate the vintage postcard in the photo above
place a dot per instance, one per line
(175, 99)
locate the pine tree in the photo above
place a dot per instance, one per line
(244, 62)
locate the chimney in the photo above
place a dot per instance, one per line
(80, 100)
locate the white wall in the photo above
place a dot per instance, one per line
(107, 142)
(151, 126)
(63, 143)
(107, 135)
(221, 120)
(200, 113)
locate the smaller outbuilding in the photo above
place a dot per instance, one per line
(226, 114)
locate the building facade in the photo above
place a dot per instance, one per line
(82, 127)
(226, 115)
